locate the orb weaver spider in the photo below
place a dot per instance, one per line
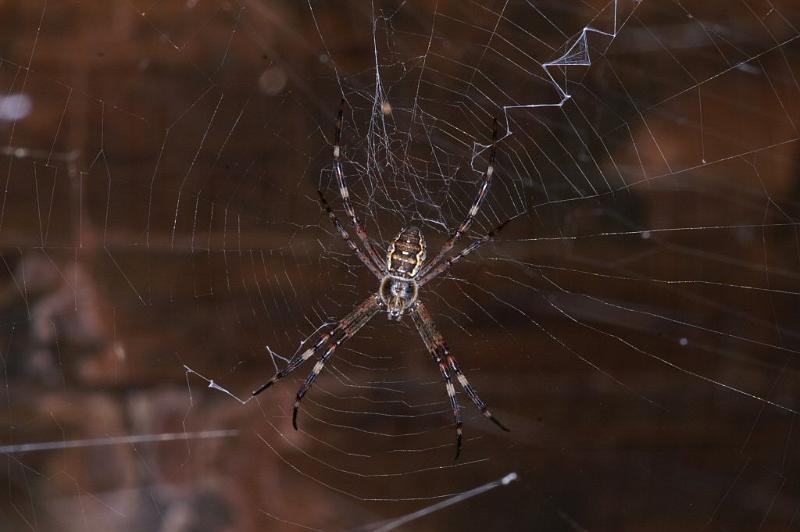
(401, 275)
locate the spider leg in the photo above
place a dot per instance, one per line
(345, 193)
(436, 354)
(472, 394)
(441, 355)
(486, 181)
(345, 329)
(346, 236)
(446, 265)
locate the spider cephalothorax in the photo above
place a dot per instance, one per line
(401, 276)
(398, 289)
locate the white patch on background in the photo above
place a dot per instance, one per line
(15, 107)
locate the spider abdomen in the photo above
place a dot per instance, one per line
(406, 253)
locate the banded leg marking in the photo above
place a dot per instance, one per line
(346, 236)
(446, 265)
(440, 353)
(355, 321)
(293, 364)
(345, 193)
(486, 181)
(471, 393)
(451, 396)
(312, 377)
(345, 329)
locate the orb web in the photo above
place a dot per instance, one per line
(634, 322)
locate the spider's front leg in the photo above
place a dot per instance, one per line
(345, 329)
(372, 254)
(486, 182)
(448, 263)
(440, 353)
(368, 262)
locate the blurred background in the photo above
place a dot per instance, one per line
(163, 253)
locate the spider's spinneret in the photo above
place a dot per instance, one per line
(404, 259)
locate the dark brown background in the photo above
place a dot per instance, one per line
(158, 210)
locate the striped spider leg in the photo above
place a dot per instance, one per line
(447, 363)
(326, 345)
(486, 182)
(374, 268)
(447, 264)
(345, 192)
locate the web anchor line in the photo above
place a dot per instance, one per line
(386, 526)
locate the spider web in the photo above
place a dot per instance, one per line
(634, 323)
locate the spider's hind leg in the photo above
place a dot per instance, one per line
(438, 349)
(345, 329)
(472, 394)
(293, 364)
(451, 396)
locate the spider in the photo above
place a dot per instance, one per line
(401, 275)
